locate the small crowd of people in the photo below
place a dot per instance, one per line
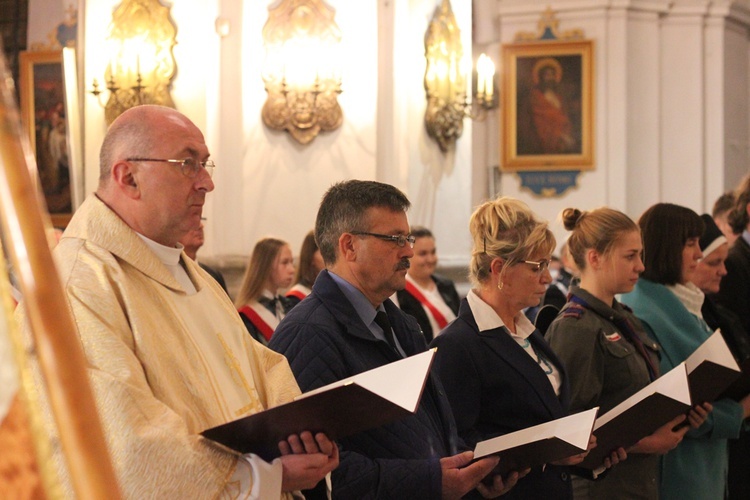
(272, 285)
(169, 354)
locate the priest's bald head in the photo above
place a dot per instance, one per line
(155, 172)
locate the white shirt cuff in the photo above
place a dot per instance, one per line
(257, 477)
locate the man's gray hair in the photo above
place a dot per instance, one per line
(344, 207)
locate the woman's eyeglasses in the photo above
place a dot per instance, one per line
(537, 267)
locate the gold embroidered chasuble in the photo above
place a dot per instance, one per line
(163, 365)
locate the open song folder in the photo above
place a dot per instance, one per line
(540, 444)
(711, 369)
(740, 387)
(640, 415)
(351, 405)
(702, 377)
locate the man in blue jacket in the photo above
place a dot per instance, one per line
(347, 325)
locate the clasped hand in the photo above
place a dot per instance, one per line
(614, 458)
(461, 476)
(306, 459)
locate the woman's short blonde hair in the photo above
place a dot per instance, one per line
(505, 228)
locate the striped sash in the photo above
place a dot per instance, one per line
(261, 318)
(299, 291)
(437, 315)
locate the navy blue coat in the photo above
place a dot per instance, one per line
(325, 340)
(495, 388)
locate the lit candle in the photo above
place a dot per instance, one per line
(490, 83)
(466, 83)
(481, 84)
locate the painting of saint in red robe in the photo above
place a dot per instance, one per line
(549, 105)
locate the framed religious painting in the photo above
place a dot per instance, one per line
(548, 106)
(43, 110)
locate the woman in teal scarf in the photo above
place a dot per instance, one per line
(669, 306)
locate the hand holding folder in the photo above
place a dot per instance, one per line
(711, 370)
(343, 408)
(640, 415)
(540, 444)
(701, 378)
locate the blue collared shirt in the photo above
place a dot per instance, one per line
(364, 309)
(746, 236)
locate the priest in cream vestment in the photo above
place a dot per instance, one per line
(168, 356)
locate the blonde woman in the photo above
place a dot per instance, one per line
(499, 373)
(270, 269)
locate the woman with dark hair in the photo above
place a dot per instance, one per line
(310, 264)
(498, 372)
(607, 354)
(271, 268)
(430, 298)
(669, 307)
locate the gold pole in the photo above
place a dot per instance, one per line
(63, 365)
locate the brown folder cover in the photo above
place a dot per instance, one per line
(740, 387)
(709, 380)
(640, 415)
(631, 426)
(343, 409)
(711, 369)
(544, 445)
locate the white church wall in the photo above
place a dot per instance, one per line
(672, 116)
(671, 92)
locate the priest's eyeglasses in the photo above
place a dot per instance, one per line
(537, 267)
(400, 239)
(189, 166)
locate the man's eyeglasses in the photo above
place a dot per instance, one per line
(537, 267)
(190, 166)
(399, 239)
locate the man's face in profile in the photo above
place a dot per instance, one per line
(381, 265)
(173, 199)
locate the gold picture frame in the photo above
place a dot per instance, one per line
(547, 106)
(43, 111)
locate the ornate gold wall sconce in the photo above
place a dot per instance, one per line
(446, 77)
(141, 65)
(301, 72)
